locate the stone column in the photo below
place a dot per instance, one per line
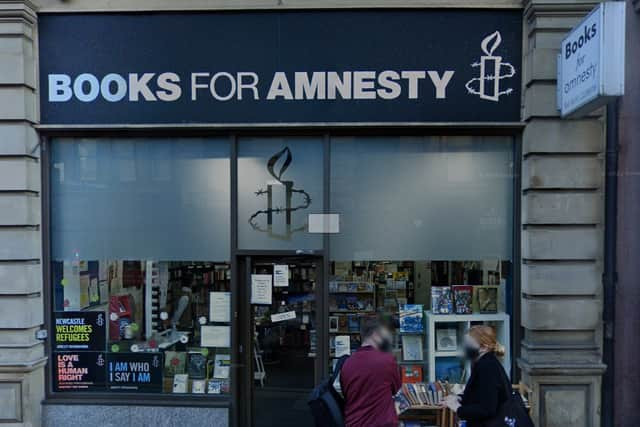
(562, 233)
(22, 357)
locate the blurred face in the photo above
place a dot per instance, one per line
(383, 339)
(471, 347)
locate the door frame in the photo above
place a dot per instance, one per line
(242, 337)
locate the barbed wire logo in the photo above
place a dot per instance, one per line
(273, 208)
(487, 85)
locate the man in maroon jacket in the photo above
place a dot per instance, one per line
(369, 379)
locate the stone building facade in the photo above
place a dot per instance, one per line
(562, 206)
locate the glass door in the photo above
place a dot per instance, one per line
(283, 294)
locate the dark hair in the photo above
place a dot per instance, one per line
(369, 325)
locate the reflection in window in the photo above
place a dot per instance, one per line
(133, 311)
(425, 229)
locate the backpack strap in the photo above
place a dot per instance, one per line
(505, 379)
(338, 368)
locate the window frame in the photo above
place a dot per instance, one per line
(240, 378)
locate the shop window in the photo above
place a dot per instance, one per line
(140, 266)
(280, 182)
(425, 229)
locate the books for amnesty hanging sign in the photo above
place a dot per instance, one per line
(591, 61)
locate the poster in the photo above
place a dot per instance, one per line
(215, 336)
(80, 330)
(219, 307)
(138, 372)
(281, 276)
(261, 288)
(73, 371)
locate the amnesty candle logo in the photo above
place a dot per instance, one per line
(282, 199)
(487, 85)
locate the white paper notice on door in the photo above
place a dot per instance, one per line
(261, 288)
(281, 317)
(219, 306)
(281, 276)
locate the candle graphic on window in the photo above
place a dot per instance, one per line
(282, 199)
(487, 85)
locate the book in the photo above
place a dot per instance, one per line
(214, 387)
(401, 402)
(333, 324)
(342, 323)
(463, 299)
(411, 318)
(354, 323)
(343, 345)
(412, 347)
(197, 365)
(446, 339)
(174, 363)
(487, 299)
(198, 386)
(441, 301)
(419, 394)
(411, 374)
(222, 366)
(180, 382)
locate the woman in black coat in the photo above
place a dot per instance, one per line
(486, 389)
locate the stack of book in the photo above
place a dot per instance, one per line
(420, 394)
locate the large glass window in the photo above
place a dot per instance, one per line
(140, 265)
(425, 230)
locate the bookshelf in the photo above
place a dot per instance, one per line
(461, 323)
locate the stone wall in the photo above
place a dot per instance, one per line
(562, 233)
(21, 311)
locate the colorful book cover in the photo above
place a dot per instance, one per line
(411, 374)
(411, 318)
(441, 300)
(197, 365)
(354, 323)
(487, 299)
(174, 363)
(463, 298)
(222, 366)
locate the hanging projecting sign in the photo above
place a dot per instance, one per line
(591, 61)
(294, 67)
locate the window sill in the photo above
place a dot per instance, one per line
(109, 399)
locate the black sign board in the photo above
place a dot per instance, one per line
(82, 370)
(79, 330)
(275, 67)
(141, 372)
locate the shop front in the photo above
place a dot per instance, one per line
(226, 194)
(228, 199)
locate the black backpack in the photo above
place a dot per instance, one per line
(327, 405)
